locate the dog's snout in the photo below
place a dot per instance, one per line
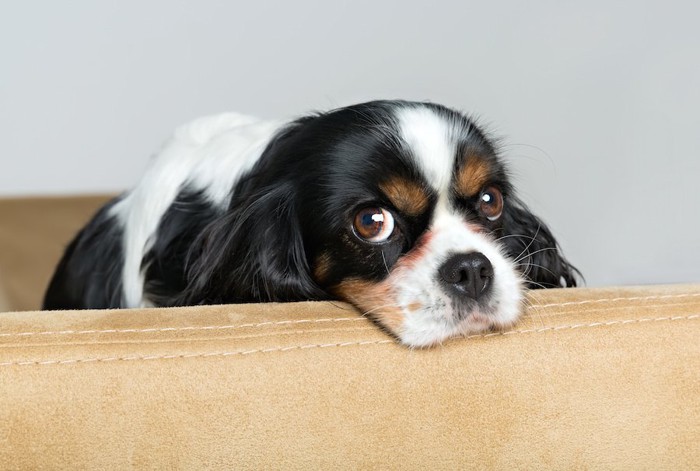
(467, 274)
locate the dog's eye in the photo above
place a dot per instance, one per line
(374, 224)
(491, 203)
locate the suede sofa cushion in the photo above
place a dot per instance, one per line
(604, 378)
(589, 379)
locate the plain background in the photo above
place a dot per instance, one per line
(597, 102)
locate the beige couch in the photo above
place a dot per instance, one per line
(589, 379)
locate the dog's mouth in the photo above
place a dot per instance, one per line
(432, 325)
(427, 318)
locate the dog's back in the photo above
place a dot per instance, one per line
(132, 253)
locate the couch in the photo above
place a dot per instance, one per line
(591, 378)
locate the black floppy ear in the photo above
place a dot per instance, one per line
(253, 253)
(533, 247)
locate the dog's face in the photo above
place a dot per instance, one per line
(404, 210)
(408, 228)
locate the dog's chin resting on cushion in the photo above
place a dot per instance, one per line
(403, 209)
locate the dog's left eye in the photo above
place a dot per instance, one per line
(374, 224)
(491, 203)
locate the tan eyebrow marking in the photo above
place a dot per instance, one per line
(473, 175)
(407, 196)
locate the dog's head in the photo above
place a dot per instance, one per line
(403, 209)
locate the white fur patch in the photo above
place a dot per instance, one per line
(437, 317)
(432, 140)
(209, 154)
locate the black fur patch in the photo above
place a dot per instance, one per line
(89, 275)
(166, 261)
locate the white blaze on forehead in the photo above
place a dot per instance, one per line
(431, 139)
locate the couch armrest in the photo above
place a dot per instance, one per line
(600, 378)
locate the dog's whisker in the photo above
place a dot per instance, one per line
(385, 265)
(520, 236)
(530, 307)
(539, 285)
(385, 306)
(530, 265)
(530, 146)
(528, 269)
(526, 249)
(336, 305)
(530, 254)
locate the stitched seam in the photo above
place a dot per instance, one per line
(197, 355)
(309, 321)
(611, 300)
(579, 326)
(330, 345)
(257, 335)
(535, 314)
(184, 329)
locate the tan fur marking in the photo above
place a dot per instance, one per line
(407, 196)
(374, 299)
(473, 175)
(415, 306)
(322, 267)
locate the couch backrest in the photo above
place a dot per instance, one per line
(33, 235)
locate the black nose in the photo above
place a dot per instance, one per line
(467, 274)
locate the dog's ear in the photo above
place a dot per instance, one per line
(535, 250)
(253, 253)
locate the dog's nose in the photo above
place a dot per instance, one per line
(467, 274)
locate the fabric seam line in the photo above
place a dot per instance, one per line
(309, 321)
(330, 345)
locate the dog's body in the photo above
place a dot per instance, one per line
(403, 209)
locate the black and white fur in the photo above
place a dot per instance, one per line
(235, 209)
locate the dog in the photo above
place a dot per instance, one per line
(403, 209)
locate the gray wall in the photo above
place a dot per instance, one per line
(597, 102)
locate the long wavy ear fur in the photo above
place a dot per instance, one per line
(253, 253)
(535, 250)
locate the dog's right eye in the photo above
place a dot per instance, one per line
(491, 203)
(373, 224)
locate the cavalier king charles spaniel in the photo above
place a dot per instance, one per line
(403, 209)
